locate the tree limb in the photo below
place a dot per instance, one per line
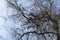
(17, 8)
(37, 33)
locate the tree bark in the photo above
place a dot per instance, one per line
(56, 28)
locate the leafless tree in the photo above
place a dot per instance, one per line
(37, 20)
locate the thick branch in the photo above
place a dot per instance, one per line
(37, 33)
(17, 8)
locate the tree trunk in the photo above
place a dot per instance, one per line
(56, 27)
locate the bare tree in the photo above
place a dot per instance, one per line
(37, 20)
